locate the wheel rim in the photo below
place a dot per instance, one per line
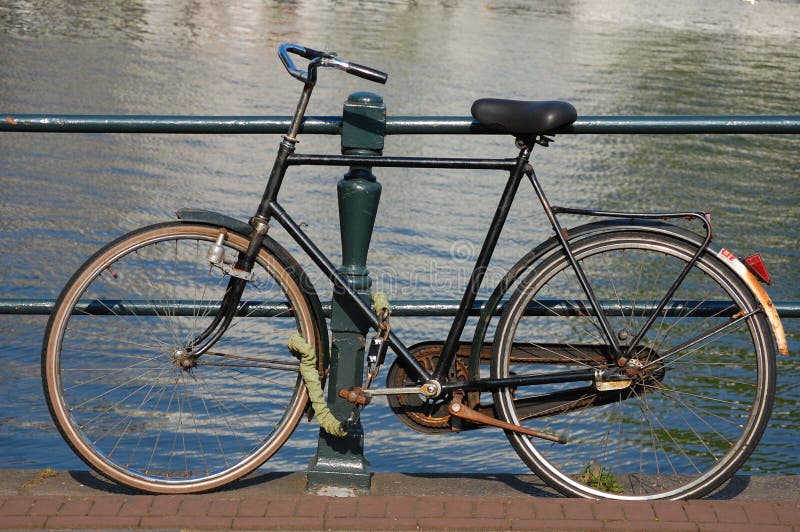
(120, 391)
(679, 431)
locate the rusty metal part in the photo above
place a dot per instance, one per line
(425, 389)
(761, 295)
(348, 393)
(355, 395)
(428, 416)
(376, 354)
(460, 410)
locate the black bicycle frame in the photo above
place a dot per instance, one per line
(269, 208)
(518, 168)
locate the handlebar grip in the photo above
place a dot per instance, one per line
(366, 72)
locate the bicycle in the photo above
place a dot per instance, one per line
(165, 364)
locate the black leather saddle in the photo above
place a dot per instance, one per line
(521, 118)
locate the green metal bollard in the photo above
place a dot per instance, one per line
(340, 461)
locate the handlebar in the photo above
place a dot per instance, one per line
(324, 59)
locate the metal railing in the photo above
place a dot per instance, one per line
(399, 125)
(408, 308)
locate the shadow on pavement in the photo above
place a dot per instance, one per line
(97, 482)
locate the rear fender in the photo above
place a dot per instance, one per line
(760, 292)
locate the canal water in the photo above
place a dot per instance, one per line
(62, 196)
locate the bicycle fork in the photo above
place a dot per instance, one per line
(240, 273)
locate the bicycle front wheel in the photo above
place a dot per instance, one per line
(122, 384)
(702, 378)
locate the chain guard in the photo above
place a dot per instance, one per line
(429, 416)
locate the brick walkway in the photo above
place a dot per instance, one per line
(263, 509)
(311, 512)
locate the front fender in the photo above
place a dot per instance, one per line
(215, 218)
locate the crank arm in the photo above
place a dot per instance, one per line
(463, 411)
(396, 391)
(360, 396)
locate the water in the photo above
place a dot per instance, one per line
(65, 195)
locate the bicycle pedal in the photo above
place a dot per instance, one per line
(355, 395)
(607, 386)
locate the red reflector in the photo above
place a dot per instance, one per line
(756, 265)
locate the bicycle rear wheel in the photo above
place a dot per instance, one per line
(118, 374)
(702, 378)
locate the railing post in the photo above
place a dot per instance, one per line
(340, 461)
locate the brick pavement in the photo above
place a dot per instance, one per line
(313, 512)
(257, 509)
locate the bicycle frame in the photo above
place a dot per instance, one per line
(518, 167)
(270, 208)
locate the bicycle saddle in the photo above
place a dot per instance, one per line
(523, 118)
